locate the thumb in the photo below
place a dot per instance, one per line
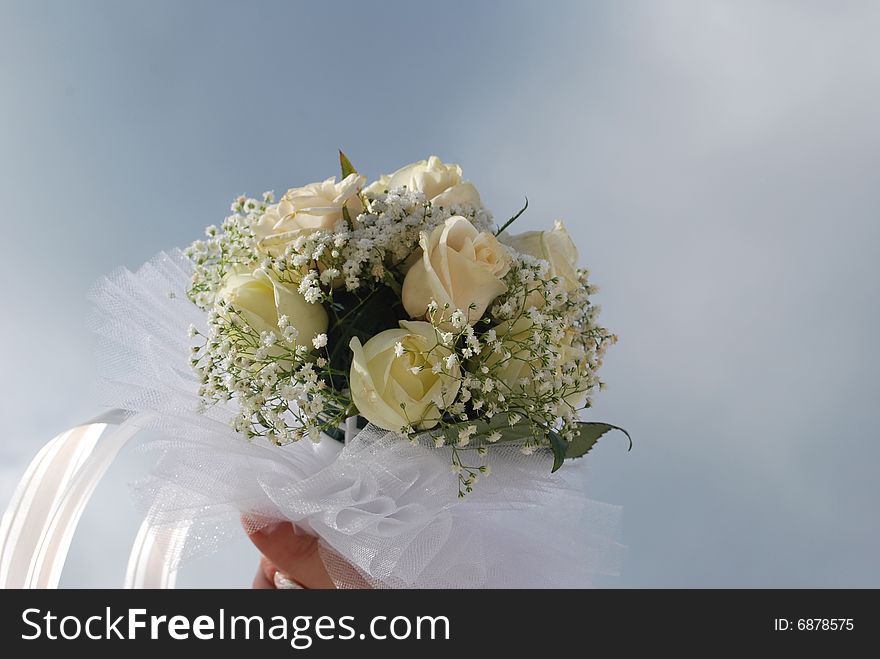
(294, 553)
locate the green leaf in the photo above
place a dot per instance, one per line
(591, 431)
(345, 163)
(559, 447)
(518, 432)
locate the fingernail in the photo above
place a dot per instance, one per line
(283, 582)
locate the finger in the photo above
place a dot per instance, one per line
(261, 582)
(345, 572)
(268, 569)
(294, 554)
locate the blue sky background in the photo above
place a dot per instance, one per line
(716, 162)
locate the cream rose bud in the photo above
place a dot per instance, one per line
(261, 299)
(518, 371)
(520, 366)
(376, 188)
(317, 206)
(381, 381)
(440, 183)
(460, 266)
(554, 246)
(463, 194)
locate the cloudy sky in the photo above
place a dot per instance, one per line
(717, 162)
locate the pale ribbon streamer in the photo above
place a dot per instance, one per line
(39, 523)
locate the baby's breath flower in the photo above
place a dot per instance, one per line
(458, 319)
(465, 434)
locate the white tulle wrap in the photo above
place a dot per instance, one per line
(387, 513)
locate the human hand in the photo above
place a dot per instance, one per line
(290, 559)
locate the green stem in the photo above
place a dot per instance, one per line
(513, 219)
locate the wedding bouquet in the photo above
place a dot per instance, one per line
(363, 355)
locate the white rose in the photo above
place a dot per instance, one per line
(554, 246)
(518, 371)
(317, 206)
(460, 266)
(261, 298)
(516, 339)
(463, 194)
(380, 380)
(376, 188)
(440, 183)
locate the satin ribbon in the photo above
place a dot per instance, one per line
(38, 525)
